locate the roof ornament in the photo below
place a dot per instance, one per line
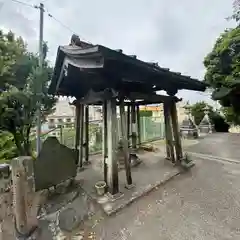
(75, 41)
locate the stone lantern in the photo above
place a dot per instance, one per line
(205, 125)
(188, 128)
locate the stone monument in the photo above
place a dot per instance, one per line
(205, 125)
(188, 128)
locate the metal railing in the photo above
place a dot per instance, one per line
(151, 128)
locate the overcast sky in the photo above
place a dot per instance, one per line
(175, 33)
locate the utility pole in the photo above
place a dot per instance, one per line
(38, 130)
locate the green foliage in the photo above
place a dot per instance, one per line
(219, 122)
(231, 116)
(197, 111)
(145, 113)
(95, 130)
(223, 70)
(25, 86)
(7, 146)
(223, 63)
(236, 10)
(11, 50)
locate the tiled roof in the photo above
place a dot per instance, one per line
(63, 109)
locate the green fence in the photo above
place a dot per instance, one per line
(151, 128)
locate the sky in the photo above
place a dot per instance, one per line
(176, 34)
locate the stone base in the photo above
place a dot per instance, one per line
(113, 198)
(134, 161)
(129, 186)
(153, 172)
(169, 160)
(148, 148)
(189, 133)
(205, 129)
(187, 165)
(87, 163)
(80, 169)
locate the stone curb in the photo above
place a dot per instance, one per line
(214, 158)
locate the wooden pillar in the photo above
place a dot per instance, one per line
(112, 165)
(86, 134)
(176, 132)
(128, 123)
(77, 134)
(23, 196)
(104, 140)
(134, 134)
(61, 134)
(123, 131)
(138, 125)
(80, 159)
(168, 132)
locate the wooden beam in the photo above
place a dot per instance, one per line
(80, 160)
(168, 132)
(176, 133)
(125, 143)
(138, 125)
(134, 129)
(92, 97)
(112, 166)
(153, 97)
(104, 141)
(77, 133)
(97, 98)
(128, 123)
(86, 134)
(128, 103)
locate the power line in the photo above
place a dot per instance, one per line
(53, 17)
(65, 26)
(24, 3)
(62, 24)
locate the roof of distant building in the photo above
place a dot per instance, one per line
(63, 109)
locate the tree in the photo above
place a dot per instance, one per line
(236, 10)
(198, 111)
(231, 116)
(216, 119)
(24, 87)
(222, 64)
(11, 49)
(7, 146)
(223, 71)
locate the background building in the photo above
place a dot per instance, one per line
(64, 116)
(157, 111)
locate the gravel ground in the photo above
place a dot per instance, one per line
(6, 217)
(201, 204)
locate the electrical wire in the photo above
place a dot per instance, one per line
(65, 26)
(24, 3)
(53, 17)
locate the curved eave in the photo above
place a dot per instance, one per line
(164, 76)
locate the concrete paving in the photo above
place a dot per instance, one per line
(201, 204)
(153, 171)
(225, 145)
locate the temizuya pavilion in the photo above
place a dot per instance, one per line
(95, 74)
